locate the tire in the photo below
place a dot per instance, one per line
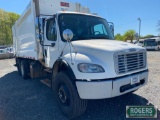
(24, 68)
(18, 64)
(67, 97)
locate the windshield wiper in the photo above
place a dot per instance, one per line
(84, 38)
(101, 37)
(91, 37)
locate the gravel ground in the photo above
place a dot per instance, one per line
(31, 100)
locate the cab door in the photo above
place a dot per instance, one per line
(51, 52)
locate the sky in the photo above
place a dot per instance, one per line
(123, 13)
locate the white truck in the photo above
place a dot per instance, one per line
(77, 51)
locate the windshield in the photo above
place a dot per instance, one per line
(85, 27)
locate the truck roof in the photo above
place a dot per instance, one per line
(81, 13)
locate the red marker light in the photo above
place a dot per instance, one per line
(64, 4)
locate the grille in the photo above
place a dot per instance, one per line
(129, 62)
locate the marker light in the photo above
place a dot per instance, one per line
(64, 4)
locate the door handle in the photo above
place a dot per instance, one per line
(53, 44)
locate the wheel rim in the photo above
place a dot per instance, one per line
(63, 95)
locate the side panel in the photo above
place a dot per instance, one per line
(26, 35)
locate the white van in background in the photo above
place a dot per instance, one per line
(150, 43)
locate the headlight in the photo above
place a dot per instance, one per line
(90, 68)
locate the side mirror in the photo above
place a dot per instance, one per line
(68, 34)
(112, 29)
(111, 26)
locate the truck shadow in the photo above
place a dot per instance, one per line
(114, 108)
(152, 50)
(30, 99)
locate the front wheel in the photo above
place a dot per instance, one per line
(67, 97)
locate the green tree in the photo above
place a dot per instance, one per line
(119, 37)
(129, 35)
(147, 36)
(7, 19)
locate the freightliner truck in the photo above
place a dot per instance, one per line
(76, 50)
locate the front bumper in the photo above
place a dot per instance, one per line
(111, 87)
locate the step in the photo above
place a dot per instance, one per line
(48, 70)
(47, 82)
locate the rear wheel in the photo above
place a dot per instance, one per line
(24, 68)
(67, 97)
(18, 66)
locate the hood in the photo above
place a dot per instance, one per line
(104, 45)
(100, 52)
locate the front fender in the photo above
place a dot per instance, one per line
(58, 66)
(84, 58)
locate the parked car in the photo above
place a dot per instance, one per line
(139, 43)
(3, 51)
(9, 49)
(6, 53)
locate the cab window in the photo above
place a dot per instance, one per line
(51, 30)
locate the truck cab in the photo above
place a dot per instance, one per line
(77, 50)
